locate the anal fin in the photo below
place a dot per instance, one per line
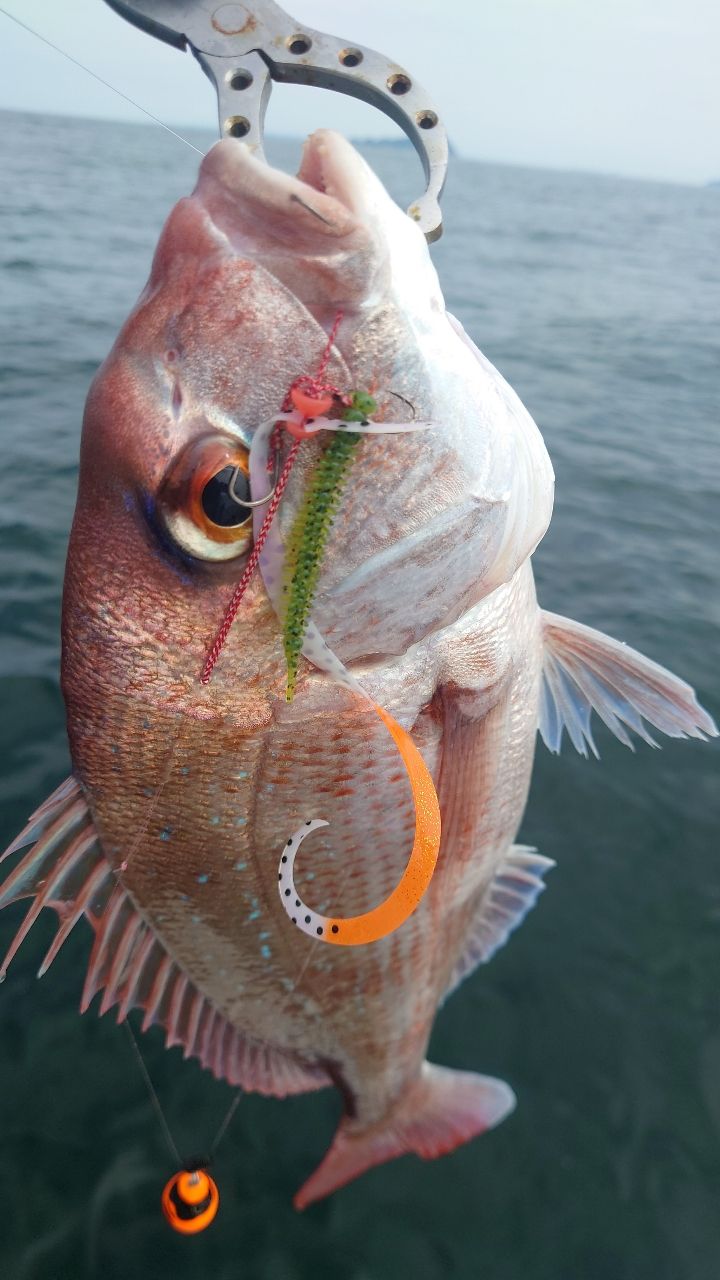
(513, 891)
(65, 868)
(440, 1111)
(586, 671)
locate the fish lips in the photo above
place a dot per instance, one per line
(311, 232)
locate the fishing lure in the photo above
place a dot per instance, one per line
(296, 568)
(303, 557)
(190, 1201)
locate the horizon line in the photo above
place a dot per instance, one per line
(379, 140)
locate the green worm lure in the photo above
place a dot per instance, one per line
(309, 533)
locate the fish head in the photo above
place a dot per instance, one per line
(430, 523)
(251, 274)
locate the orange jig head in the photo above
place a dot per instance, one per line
(309, 407)
(190, 1201)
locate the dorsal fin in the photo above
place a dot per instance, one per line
(66, 869)
(586, 671)
(513, 891)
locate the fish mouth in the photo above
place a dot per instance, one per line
(249, 200)
(314, 232)
(332, 168)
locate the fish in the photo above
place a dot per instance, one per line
(168, 836)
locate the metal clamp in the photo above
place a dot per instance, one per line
(242, 48)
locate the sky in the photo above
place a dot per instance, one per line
(616, 86)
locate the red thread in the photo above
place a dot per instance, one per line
(251, 566)
(314, 386)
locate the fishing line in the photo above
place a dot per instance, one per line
(153, 1095)
(225, 1125)
(157, 1105)
(100, 80)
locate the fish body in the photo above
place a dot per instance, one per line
(168, 839)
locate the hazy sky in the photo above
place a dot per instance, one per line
(621, 86)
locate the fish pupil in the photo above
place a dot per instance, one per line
(218, 502)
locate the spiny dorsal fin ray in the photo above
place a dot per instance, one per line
(65, 869)
(56, 803)
(586, 671)
(513, 891)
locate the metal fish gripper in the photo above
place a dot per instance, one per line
(242, 48)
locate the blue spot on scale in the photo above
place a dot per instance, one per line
(240, 822)
(265, 951)
(166, 833)
(265, 934)
(255, 915)
(215, 820)
(203, 879)
(243, 773)
(240, 866)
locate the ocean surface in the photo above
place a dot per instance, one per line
(598, 298)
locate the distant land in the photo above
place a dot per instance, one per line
(381, 142)
(394, 142)
(208, 133)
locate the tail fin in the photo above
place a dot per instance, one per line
(439, 1112)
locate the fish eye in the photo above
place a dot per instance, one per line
(225, 496)
(204, 499)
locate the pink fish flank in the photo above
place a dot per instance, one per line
(168, 835)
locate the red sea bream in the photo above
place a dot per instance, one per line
(167, 836)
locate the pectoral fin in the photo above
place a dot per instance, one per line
(586, 671)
